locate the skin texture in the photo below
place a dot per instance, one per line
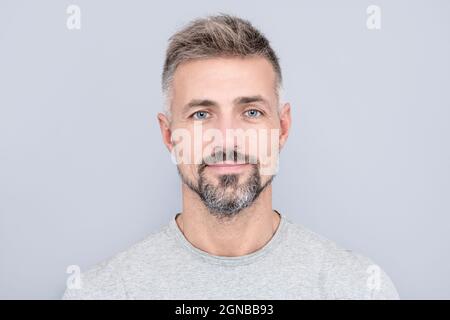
(223, 80)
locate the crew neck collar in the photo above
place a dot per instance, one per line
(224, 260)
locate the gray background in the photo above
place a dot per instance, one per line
(84, 174)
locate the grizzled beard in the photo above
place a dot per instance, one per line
(216, 199)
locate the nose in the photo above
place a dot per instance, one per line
(227, 125)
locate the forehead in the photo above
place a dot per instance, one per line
(223, 78)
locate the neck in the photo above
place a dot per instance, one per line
(242, 234)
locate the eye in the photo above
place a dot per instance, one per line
(252, 113)
(200, 115)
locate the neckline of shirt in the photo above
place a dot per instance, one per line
(224, 260)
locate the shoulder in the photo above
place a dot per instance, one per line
(106, 280)
(342, 273)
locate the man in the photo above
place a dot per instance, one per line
(224, 125)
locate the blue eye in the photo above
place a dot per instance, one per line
(200, 115)
(253, 113)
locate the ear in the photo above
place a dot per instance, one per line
(285, 123)
(166, 133)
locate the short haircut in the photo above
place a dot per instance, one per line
(221, 35)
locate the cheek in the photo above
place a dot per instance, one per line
(185, 147)
(188, 171)
(193, 170)
(268, 151)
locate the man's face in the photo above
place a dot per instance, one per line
(225, 130)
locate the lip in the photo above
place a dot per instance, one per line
(228, 167)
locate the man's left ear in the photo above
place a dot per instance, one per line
(285, 123)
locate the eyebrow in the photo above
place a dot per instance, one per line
(237, 101)
(251, 99)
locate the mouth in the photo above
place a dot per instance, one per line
(228, 167)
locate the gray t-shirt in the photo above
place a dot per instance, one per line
(295, 264)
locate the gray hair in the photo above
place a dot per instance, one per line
(215, 36)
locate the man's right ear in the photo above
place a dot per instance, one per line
(166, 133)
